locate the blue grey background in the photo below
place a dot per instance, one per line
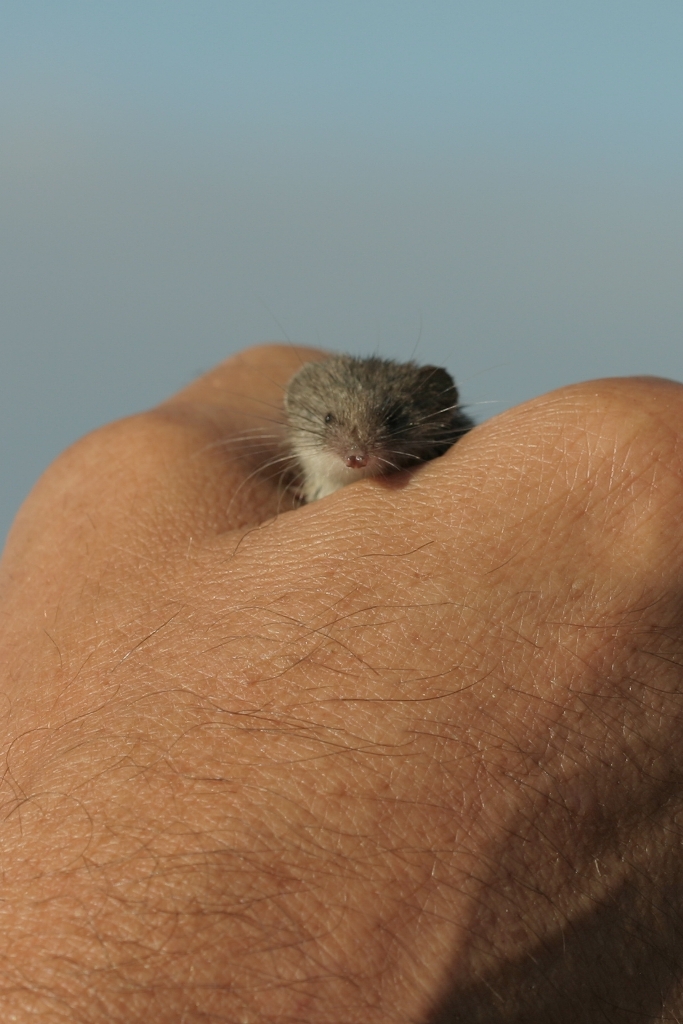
(493, 186)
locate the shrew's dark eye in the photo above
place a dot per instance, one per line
(396, 419)
(329, 418)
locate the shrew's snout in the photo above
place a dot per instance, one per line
(356, 459)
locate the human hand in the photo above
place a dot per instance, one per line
(412, 753)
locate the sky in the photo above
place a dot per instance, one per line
(492, 186)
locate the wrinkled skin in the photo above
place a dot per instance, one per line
(413, 753)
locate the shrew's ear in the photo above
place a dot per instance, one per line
(438, 383)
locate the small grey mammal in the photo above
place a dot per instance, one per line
(350, 418)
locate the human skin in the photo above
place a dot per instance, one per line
(412, 754)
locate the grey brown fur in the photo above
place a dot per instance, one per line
(349, 418)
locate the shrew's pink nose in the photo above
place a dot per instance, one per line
(357, 460)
